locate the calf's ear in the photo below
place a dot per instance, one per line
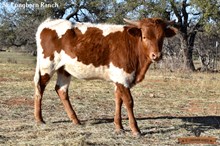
(134, 31)
(170, 31)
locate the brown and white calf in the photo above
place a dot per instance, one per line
(118, 53)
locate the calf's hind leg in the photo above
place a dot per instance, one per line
(63, 81)
(40, 84)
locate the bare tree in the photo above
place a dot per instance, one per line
(207, 49)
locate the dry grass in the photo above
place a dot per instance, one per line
(167, 106)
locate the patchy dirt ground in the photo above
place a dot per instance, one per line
(167, 106)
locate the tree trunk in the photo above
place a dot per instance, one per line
(187, 48)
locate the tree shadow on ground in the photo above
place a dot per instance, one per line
(195, 124)
(192, 124)
(212, 121)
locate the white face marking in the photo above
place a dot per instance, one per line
(106, 28)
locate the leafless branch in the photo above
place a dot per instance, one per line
(176, 12)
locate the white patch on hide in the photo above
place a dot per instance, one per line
(118, 75)
(63, 81)
(106, 28)
(59, 25)
(82, 71)
(46, 66)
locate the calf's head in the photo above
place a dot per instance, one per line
(152, 32)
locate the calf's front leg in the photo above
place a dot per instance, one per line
(117, 118)
(127, 99)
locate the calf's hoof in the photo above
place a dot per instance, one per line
(119, 131)
(76, 122)
(40, 122)
(137, 134)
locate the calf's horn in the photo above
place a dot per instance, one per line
(135, 23)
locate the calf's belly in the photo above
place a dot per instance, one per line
(109, 73)
(82, 71)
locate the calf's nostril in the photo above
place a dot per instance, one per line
(153, 56)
